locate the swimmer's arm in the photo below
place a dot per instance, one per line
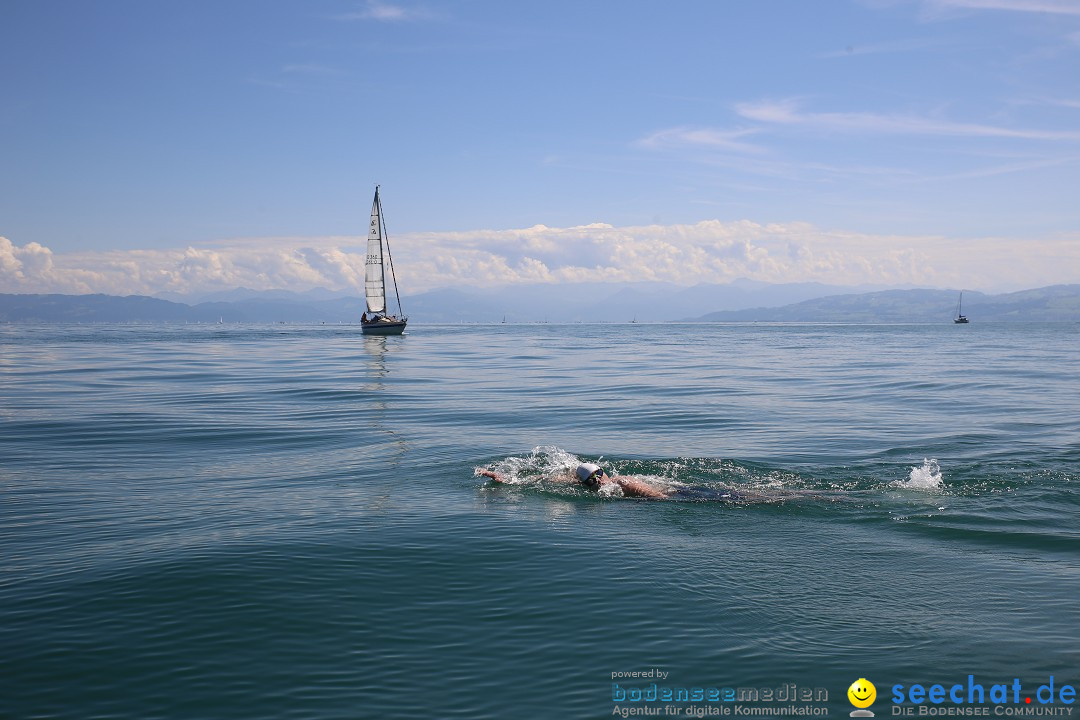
(637, 488)
(500, 478)
(490, 474)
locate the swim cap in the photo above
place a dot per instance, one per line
(584, 470)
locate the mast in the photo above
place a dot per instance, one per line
(382, 237)
(389, 255)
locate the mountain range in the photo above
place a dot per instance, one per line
(740, 301)
(1056, 303)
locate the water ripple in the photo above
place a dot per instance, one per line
(284, 522)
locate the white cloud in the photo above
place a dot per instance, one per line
(789, 113)
(714, 251)
(278, 263)
(30, 269)
(704, 252)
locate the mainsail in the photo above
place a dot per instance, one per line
(374, 277)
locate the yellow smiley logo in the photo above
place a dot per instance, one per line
(862, 693)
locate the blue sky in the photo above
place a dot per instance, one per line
(151, 147)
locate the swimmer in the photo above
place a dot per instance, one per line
(593, 477)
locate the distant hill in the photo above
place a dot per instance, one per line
(582, 302)
(571, 302)
(91, 308)
(606, 302)
(1057, 303)
(138, 308)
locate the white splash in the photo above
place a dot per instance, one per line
(610, 490)
(927, 477)
(544, 463)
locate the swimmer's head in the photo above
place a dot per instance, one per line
(589, 474)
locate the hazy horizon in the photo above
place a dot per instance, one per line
(326, 293)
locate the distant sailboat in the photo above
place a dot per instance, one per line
(961, 319)
(375, 321)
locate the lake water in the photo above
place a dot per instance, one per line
(280, 521)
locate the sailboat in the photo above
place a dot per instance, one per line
(961, 319)
(376, 321)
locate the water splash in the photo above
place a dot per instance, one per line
(545, 462)
(927, 477)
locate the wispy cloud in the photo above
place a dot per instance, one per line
(789, 113)
(1003, 169)
(1062, 7)
(386, 12)
(1047, 102)
(700, 137)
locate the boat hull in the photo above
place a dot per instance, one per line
(961, 320)
(384, 328)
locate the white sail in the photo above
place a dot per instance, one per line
(374, 278)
